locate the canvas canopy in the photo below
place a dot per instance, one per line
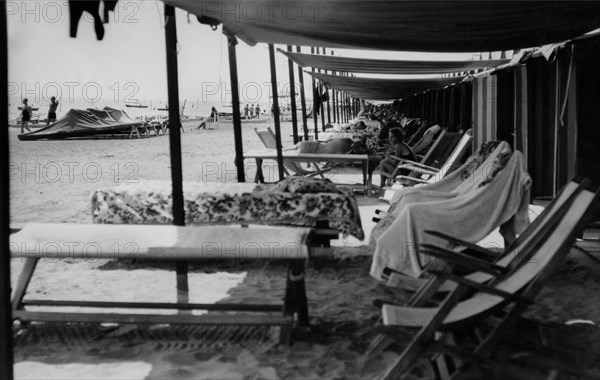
(386, 66)
(440, 26)
(382, 89)
(81, 123)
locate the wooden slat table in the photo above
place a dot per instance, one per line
(165, 242)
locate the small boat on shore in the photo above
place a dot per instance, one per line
(88, 123)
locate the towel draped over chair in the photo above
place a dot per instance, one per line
(495, 194)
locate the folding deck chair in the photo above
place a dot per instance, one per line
(506, 262)
(212, 122)
(438, 153)
(508, 292)
(268, 139)
(429, 172)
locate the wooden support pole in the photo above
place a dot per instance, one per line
(175, 135)
(321, 102)
(314, 112)
(276, 118)
(293, 97)
(328, 97)
(333, 99)
(302, 98)
(6, 334)
(235, 103)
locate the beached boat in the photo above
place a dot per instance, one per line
(91, 122)
(135, 106)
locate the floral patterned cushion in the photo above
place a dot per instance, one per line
(298, 202)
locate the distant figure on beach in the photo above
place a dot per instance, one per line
(246, 111)
(257, 111)
(214, 115)
(25, 116)
(252, 111)
(52, 111)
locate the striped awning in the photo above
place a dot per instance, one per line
(438, 26)
(382, 89)
(386, 66)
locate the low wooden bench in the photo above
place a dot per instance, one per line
(37, 241)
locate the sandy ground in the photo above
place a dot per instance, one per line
(51, 181)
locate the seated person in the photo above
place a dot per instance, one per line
(387, 163)
(214, 115)
(333, 146)
(384, 134)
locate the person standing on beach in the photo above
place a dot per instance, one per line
(25, 116)
(257, 111)
(52, 111)
(246, 111)
(252, 111)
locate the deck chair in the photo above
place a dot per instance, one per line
(506, 262)
(443, 163)
(212, 122)
(496, 194)
(268, 139)
(423, 174)
(507, 295)
(424, 143)
(439, 151)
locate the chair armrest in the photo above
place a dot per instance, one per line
(400, 159)
(417, 169)
(474, 248)
(411, 179)
(481, 287)
(463, 261)
(423, 166)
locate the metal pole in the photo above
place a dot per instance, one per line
(302, 98)
(235, 103)
(6, 340)
(175, 135)
(276, 111)
(314, 112)
(293, 97)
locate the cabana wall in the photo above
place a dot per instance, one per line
(546, 109)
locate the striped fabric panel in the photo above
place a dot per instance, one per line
(484, 110)
(520, 142)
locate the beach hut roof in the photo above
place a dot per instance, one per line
(387, 66)
(453, 26)
(382, 89)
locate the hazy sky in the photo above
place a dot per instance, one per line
(129, 63)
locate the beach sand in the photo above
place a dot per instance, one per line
(51, 181)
